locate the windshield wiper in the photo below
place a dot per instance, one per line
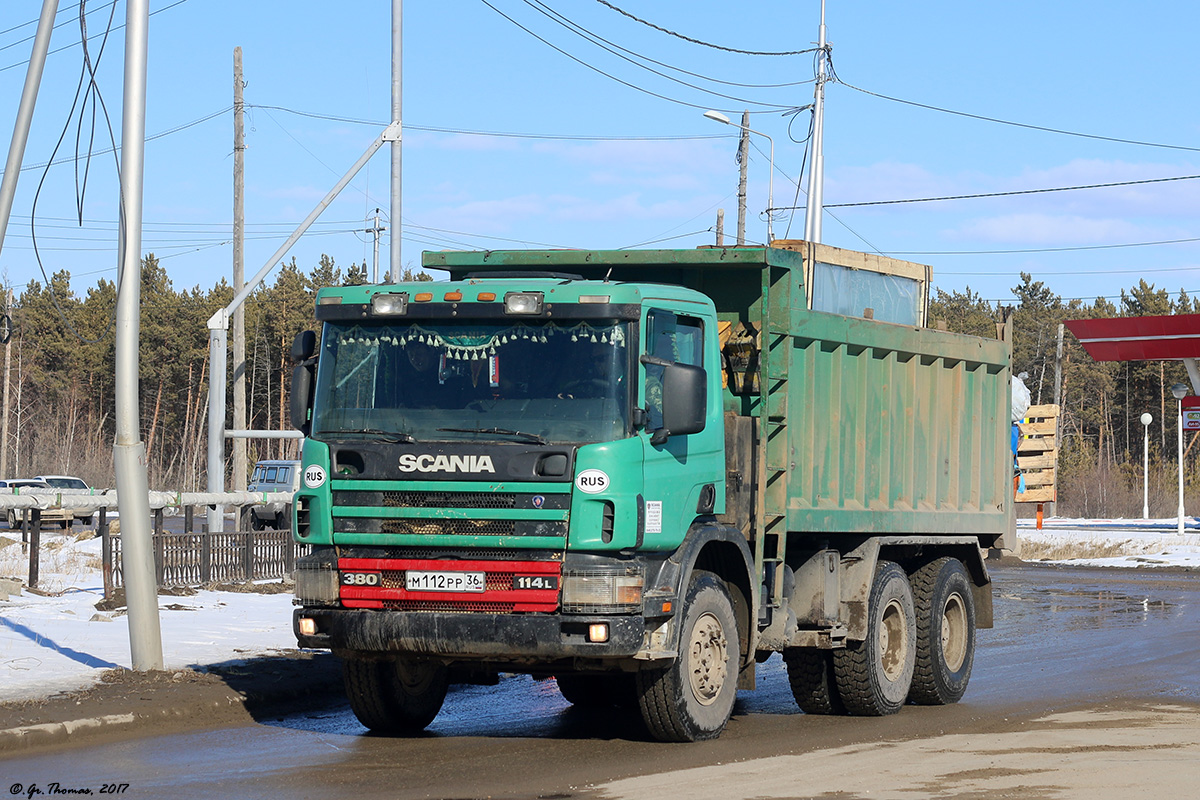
(532, 437)
(391, 437)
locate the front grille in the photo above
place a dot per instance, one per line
(449, 500)
(453, 527)
(462, 608)
(435, 553)
(442, 499)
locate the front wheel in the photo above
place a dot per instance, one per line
(874, 676)
(395, 696)
(691, 699)
(945, 610)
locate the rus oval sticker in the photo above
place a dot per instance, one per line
(314, 477)
(591, 481)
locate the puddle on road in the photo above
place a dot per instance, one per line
(1054, 599)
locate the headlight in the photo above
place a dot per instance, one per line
(389, 304)
(316, 585)
(523, 303)
(602, 591)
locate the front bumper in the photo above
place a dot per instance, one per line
(491, 637)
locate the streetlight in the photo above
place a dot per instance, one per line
(1180, 391)
(719, 117)
(1146, 420)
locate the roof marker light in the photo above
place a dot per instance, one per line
(523, 303)
(385, 303)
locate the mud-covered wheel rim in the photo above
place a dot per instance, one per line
(893, 640)
(955, 633)
(709, 654)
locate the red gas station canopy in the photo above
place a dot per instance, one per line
(1139, 338)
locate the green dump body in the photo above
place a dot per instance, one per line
(861, 425)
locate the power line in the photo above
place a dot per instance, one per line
(500, 134)
(1039, 250)
(1017, 124)
(633, 86)
(612, 47)
(1005, 194)
(698, 41)
(73, 44)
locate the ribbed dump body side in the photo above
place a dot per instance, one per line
(895, 428)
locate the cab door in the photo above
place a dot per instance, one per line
(683, 476)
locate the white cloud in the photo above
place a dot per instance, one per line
(1052, 229)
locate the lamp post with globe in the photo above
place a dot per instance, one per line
(1179, 391)
(1146, 420)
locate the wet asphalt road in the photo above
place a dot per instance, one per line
(1064, 639)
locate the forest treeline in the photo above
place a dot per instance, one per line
(61, 382)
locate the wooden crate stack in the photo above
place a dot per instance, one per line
(1037, 454)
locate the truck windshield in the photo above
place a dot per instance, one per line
(560, 382)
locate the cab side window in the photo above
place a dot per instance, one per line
(671, 338)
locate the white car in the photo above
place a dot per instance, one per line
(62, 516)
(69, 484)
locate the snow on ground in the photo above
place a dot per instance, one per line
(1112, 542)
(59, 641)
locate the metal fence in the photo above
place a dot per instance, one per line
(200, 558)
(192, 558)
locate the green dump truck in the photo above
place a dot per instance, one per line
(643, 472)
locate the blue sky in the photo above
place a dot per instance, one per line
(611, 155)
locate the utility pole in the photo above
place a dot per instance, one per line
(7, 362)
(397, 50)
(743, 159)
(720, 232)
(375, 230)
(129, 451)
(33, 79)
(816, 169)
(240, 465)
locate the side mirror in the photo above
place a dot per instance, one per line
(301, 399)
(684, 401)
(304, 346)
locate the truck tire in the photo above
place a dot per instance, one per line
(874, 676)
(691, 699)
(810, 673)
(598, 691)
(945, 610)
(395, 696)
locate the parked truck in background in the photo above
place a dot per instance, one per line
(642, 473)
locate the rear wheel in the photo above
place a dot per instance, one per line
(691, 698)
(874, 676)
(395, 696)
(945, 610)
(810, 673)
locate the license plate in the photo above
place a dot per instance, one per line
(535, 582)
(443, 581)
